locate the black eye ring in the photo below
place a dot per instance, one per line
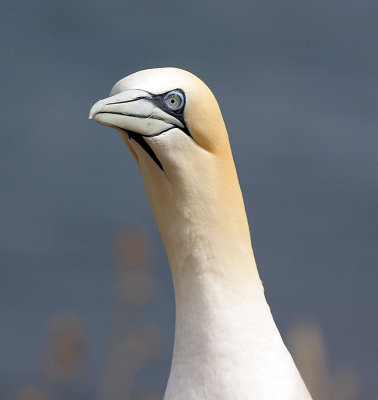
(174, 100)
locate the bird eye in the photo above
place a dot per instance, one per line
(174, 100)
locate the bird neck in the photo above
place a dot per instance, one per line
(224, 329)
(201, 216)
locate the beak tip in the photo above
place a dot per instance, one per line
(96, 108)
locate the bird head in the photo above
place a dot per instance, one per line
(167, 116)
(172, 124)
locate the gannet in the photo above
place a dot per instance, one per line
(226, 346)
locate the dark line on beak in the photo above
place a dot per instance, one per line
(128, 101)
(159, 133)
(131, 115)
(145, 146)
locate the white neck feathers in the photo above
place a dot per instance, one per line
(226, 343)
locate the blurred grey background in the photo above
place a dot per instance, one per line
(297, 84)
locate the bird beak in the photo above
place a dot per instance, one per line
(133, 111)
